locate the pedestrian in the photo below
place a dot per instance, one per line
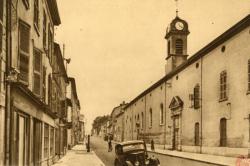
(152, 145)
(109, 144)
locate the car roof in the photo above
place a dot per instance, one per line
(131, 142)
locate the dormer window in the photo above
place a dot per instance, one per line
(179, 46)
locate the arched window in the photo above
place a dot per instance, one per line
(223, 132)
(161, 114)
(150, 117)
(196, 134)
(197, 96)
(179, 46)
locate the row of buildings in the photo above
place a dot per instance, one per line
(202, 104)
(39, 108)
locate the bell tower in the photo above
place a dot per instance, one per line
(176, 36)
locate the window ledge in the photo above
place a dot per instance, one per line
(37, 29)
(224, 99)
(161, 124)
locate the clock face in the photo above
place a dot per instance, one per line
(179, 25)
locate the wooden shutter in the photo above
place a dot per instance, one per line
(44, 83)
(24, 46)
(37, 71)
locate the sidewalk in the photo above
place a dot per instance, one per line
(231, 161)
(79, 156)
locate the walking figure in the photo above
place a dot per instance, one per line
(109, 144)
(152, 145)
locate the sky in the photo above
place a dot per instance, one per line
(117, 47)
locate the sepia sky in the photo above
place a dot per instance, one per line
(118, 48)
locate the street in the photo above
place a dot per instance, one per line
(100, 147)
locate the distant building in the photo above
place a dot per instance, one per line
(81, 128)
(73, 114)
(116, 127)
(202, 103)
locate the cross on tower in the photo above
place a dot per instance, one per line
(176, 5)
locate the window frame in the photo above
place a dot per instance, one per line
(44, 30)
(223, 86)
(52, 139)
(196, 100)
(46, 137)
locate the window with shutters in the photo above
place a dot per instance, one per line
(196, 134)
(197, 97)
(44, 83)
(223, 132)
(24, 50)
(44, 29)
(52, 141)
(161, 114)
(223, 85)
(37, 72)
(50, 46)
(179, 46)
(36, 14)
(249, 75)
(46, 141)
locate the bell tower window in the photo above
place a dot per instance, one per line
(179, 46)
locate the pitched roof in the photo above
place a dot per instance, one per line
(235, 29)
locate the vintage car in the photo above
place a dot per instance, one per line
(133, 153)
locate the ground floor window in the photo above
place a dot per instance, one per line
(37, 142)
(46, 140)
(51, 141)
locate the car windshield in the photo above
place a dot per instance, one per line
(131, 147)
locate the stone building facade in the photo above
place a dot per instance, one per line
(33, 84)
(202, 103)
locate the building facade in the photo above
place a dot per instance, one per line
(33, 103)
(202, 103)
(74, 130)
